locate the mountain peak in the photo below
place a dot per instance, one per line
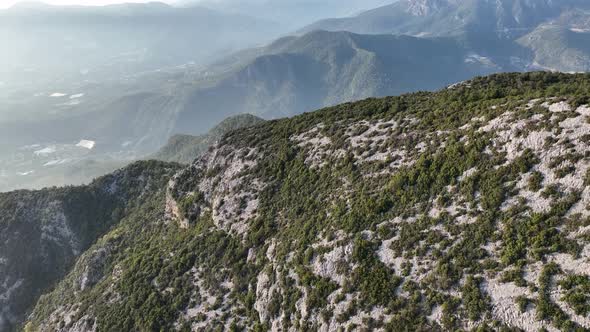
(425, 7)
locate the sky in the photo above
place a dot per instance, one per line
(9, 3)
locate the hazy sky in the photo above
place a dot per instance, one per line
(8, 3)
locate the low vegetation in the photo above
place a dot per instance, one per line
(428, 211)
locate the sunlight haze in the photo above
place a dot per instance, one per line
(10, 3)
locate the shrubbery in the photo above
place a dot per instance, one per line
(301, 204)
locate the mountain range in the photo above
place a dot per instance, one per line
(490, 27)
(463, 209)
(503, 18)
(292, 13)
(287, 77)
(410, 45)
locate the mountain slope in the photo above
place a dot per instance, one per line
(562, 44)
(298, 74)
(186, 148)
(290, 76)
(42, 233)
(465, 208)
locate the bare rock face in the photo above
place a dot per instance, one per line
(93, 271)
(218, 183)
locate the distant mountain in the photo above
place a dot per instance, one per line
(491, 27)
(288, 77)
(298, 74)
(186, 148)
(562, 44)
(293, 13)
(46, 231)
(503, 18)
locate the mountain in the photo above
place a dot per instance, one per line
(293, 13)
(43, 233)
(186, 148)
(290, 76)
(490, 27)
(562, 44)
(297, 74)
(465, 208)
(504, 18)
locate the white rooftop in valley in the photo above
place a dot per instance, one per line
(86, 144)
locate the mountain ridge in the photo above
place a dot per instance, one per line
(186, 148)
(449, 17)
(432, 211)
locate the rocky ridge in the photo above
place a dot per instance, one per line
(461, 209)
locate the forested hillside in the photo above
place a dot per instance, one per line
(42, 233)
(461, 209)
(186, 148)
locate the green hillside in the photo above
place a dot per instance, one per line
(186, 148)
(464, 209)
(43, 233)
